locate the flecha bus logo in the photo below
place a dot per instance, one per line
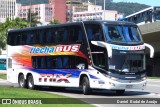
(67, 48)
(58, 48)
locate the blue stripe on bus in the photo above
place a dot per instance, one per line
(93, 77)
(74, 73)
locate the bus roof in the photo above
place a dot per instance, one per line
(72, 23)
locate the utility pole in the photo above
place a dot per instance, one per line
(30, 14)
(104, 8)
(70, 11)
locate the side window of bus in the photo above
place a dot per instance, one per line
(50, 36)
(11, 39)
(94, 32)
(62, 35)
(18, 39)
(23, 38)
(30, 38)
(76, 34)
(59, 62)
(42, 35)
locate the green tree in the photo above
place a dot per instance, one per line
(33, 18)
(16, 23)
(55, 21)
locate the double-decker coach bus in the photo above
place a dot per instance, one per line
(89, 55)
(147, 15)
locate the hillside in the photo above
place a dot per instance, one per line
(122, 7)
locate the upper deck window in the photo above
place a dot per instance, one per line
(94, 32)
(122, 33)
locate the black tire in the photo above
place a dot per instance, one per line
(30, 82)
(120, 92)
(86, 86)
(21, 81)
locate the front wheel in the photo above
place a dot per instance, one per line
(30, 82)
(86, 86)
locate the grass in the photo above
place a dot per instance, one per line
(10, 92)
(3, 76)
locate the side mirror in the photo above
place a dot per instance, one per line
(151, 49)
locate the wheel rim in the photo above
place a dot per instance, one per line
(21, 82)
(30, 82)
(84, 87)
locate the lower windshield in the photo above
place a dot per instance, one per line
(126, 62)
(119, 33)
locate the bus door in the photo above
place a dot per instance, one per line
(98, 54)
(9, 68)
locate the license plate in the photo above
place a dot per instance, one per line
(129, 86)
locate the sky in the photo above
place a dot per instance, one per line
(147, 2)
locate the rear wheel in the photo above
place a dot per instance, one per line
(30, 82)
(120, 92)
(86, 86)
(21, 81)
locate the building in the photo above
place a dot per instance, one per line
(46, 12)
(59, 10)
(95, 12)
(74, 6)
(78, 11)
(8, 9)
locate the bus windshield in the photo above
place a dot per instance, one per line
(127, 62)
(122, 33)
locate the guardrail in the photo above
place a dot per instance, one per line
(150, 27)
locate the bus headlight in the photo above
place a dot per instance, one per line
(113, 78)
(112, 84)
(144, 78)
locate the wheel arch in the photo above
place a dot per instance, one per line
(81, 78)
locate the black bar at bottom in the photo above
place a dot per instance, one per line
(79, 100)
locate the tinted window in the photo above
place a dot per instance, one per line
(53, 35)
(58, 62)
(122, 33)
(94, 32)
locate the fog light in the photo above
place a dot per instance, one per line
(144, 84)
(112, 84)
(144, 78)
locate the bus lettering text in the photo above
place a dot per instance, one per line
(42, 50)
(54, 78)
(67, 48)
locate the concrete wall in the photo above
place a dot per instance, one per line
(151, 35)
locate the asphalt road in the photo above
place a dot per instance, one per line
(151, 91)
